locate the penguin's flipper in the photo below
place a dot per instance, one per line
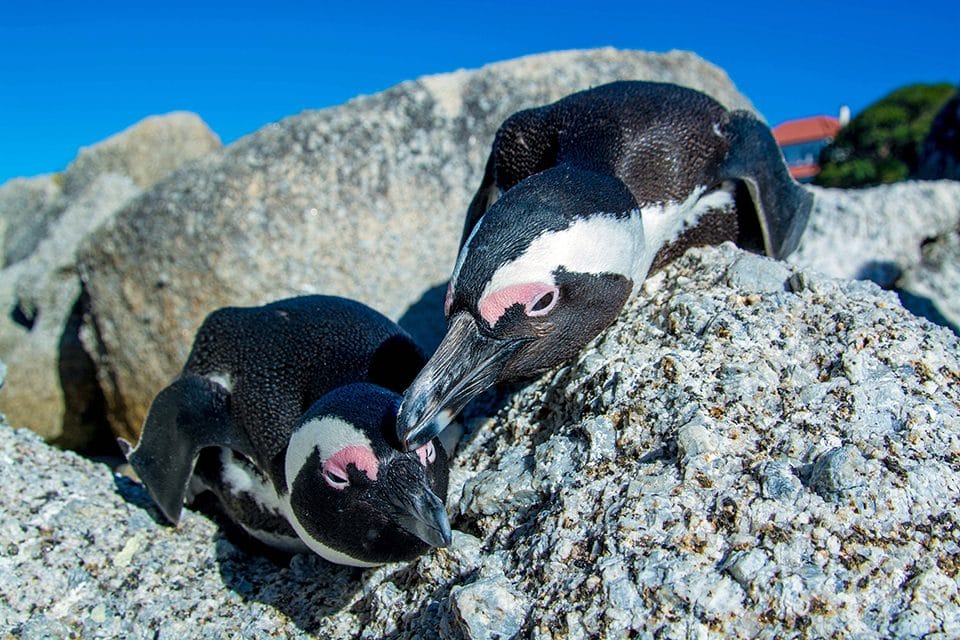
(782, 205)
(526, 143)
(188, 415)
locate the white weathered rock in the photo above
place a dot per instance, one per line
(876, 233)
(364, 200)
(820, 501)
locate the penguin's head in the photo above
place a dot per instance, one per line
(545, 270)
(355, 498)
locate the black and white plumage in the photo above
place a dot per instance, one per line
(287, 414)
(580, 200)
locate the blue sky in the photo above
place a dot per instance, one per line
(73, 73)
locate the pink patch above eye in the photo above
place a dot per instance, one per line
(448, 300)
(360, 457)
(493, 306)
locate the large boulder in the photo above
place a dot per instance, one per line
(365, 200)
(901, 236)
(52, 385)
(752, 450)
(940, 153)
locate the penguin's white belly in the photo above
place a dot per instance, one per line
(251, 488)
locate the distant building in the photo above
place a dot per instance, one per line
(802, 139)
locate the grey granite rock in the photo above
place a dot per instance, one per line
(146, 152)
(785, 464)
(52, 385)
(876, 233)
(364, 200)
(488, 608)
(27, 207)
(839, 471)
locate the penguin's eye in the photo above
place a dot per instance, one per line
(427, 453)
(543, 303)
(536, 298)
(335, 469)
(335, 480)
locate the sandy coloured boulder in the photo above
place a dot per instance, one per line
(365, 200)
(52, 385)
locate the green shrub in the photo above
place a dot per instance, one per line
(882, 143)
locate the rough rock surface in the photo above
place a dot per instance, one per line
(752, 451)
(876, 233)
(52, 385)
(144, 152)
(935, 281)
(364, 200)
(940, 154)
(27, 207)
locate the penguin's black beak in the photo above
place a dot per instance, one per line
(420, 512)
(465, 364)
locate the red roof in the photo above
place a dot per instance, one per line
(806, 129)
(802, 171)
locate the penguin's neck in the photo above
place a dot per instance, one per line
(671, 228)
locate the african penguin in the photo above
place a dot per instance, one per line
(580, 200)
(287, 414)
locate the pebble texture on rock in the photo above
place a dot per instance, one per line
(52, 385)
(364, 200)
(753, 450)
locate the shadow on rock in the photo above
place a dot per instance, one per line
(136, 494)
(424, 319)
(85, 427)
(925, 308)
(882, 272)
(432, 614)
(304, 587)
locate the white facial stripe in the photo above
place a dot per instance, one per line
(601, 243)
(463, 254)
(604, 243)
(328, 435)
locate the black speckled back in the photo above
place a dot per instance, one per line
(280, 358)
